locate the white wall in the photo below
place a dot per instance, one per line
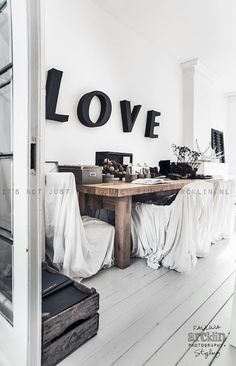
(202, 110)
(97, 52)
(204, 104)
(211, 111)
(231, 133)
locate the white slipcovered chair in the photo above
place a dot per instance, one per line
(81, 246)
(189, 230)
(223, 210)
(174, 235)
(148, 229)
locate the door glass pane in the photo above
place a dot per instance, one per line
(5, 113)
(6, 162)
(6, 278)
(5, 194)
(5, 34)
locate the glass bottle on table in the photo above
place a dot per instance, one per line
(146, 171)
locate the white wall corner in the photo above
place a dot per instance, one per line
(202, 103)
(196, 66)
(230, 95)
(189, 65)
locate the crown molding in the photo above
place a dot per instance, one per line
(230, 95)
(196, 66)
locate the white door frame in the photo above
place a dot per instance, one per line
(21, 343)
(232, 337)
(36, 221)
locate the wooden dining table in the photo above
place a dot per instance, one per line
(118, 197)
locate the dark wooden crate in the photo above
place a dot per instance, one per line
(63, 333)
(61, 347)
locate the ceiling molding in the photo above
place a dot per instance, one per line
(230, 95)
(196, 66)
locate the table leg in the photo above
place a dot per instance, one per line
(123, 207)
(82, 203)
(88, 203)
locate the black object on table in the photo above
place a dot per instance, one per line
(164, 167)
(174, 176)
(119, 157)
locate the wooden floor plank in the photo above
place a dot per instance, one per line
(107, 277)
(155, 292)
(161, 332)
(178, 343)
(193, 356)
(132, 312)
(130, 287)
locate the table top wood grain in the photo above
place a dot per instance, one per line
(123, 189)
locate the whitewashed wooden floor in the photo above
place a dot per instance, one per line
(146, 315)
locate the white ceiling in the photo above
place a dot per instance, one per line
(186, 29)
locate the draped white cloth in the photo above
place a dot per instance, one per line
(223, 210)
(189, 230)
(174, 235)
(81, 245)
(148, 228)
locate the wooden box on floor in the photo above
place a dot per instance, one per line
(63, 333)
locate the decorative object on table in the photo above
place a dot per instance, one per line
(187, 161)
(202, 176)
(108, 178)
(84, 174)
(146, 171)
(154, 172)
(122, 158)
(164, 167)
(70, 315)
(137, 171)
(174, 176)
(211, 154)
(130, 177)
(114, 168)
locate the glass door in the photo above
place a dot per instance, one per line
(6, 164)
(20, 183)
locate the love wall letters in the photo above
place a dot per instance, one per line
(128, 116)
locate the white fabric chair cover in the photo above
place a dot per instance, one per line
(223, 210)
(189, 230)
(174, 235)
(81, 245)
(148, 229)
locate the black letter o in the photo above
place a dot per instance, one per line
(84, 105)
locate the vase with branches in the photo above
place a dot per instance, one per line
(187, 161)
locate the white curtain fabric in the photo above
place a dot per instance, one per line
(81, 245)
(174, 235)
(223, 210)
